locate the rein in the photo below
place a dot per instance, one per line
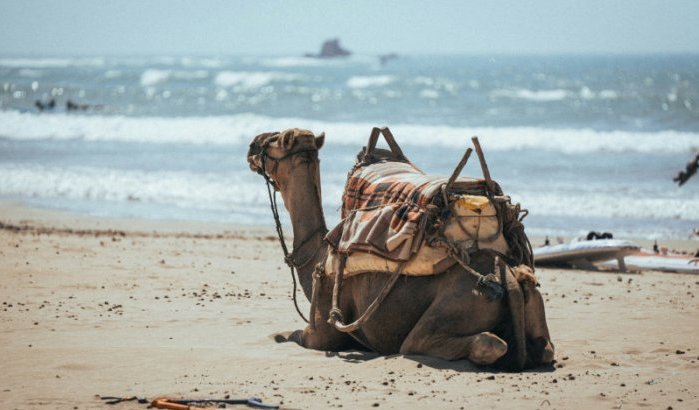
(289, 258)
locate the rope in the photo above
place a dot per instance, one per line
(280, 232)
(289, 258)
(513, 229)
(336, 317)
(487, 283)
(318, 274)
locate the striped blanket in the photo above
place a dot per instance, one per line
(384, 205)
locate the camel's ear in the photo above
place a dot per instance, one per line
(287, 139)
(320, 140)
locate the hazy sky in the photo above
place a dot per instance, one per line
(99, 27)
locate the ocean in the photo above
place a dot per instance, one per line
(583, 142)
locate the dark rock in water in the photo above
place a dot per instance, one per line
(330, 49)
(384, 58)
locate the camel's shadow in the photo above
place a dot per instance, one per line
(461, 366)
(361, 356)
(466, 366)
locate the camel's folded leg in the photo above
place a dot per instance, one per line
(323, 337)
(455, 326)
(482, 348)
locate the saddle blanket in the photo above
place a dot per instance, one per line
(383, 208)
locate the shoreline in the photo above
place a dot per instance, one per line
(17, 213)
(95, 306)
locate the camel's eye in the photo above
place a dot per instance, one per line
(302, 158)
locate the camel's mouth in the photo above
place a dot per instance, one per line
(257, 148)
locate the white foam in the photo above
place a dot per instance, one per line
(239, 129)
(608, 95)
(609, 205)
(234, 191)
(369, 81)
(429, 94)
(190, 75)
(153, 76)
(525, 94)
(112, 74)
(422, 80)
(183, 189)
(294, 62)
(587, 94)
(201, 62)
(29, 72)
(251, 79)
(51, 62)
(282, 62)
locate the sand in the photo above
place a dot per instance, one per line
(92, 306)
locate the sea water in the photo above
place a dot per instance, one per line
(583, 142)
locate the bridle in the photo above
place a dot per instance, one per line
(272, 188)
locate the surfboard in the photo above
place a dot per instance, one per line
(647, 260)
(583, 253)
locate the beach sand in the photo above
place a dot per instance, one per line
(93, 306)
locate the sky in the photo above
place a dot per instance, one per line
(276, 27)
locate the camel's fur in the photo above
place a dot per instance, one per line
(442, 315)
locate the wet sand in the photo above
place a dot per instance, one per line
(92, 306)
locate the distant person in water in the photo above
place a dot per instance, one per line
(71, 106)
(655, 247)
(47, 106)
(547, 242)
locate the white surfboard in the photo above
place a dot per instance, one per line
(583, 253)
(647, 260)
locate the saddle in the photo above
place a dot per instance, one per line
(396, 217)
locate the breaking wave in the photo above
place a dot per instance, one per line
(608, 205)
(208, 191)
(251, 79)
(233, 192)
(238, 129)
(51, 62)
(370, 81)
(524, 94)
(553, 95)
(154, 76)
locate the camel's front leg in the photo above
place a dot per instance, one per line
(322, 336)
(453, 327)
(482, 348)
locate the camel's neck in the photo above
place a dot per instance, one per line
(302, 200)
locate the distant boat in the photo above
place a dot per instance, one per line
(582, 253)
(331, 49)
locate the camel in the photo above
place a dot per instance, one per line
(444, 316)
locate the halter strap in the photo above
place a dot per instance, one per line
(289, 258)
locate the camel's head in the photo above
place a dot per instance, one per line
(275, 154)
